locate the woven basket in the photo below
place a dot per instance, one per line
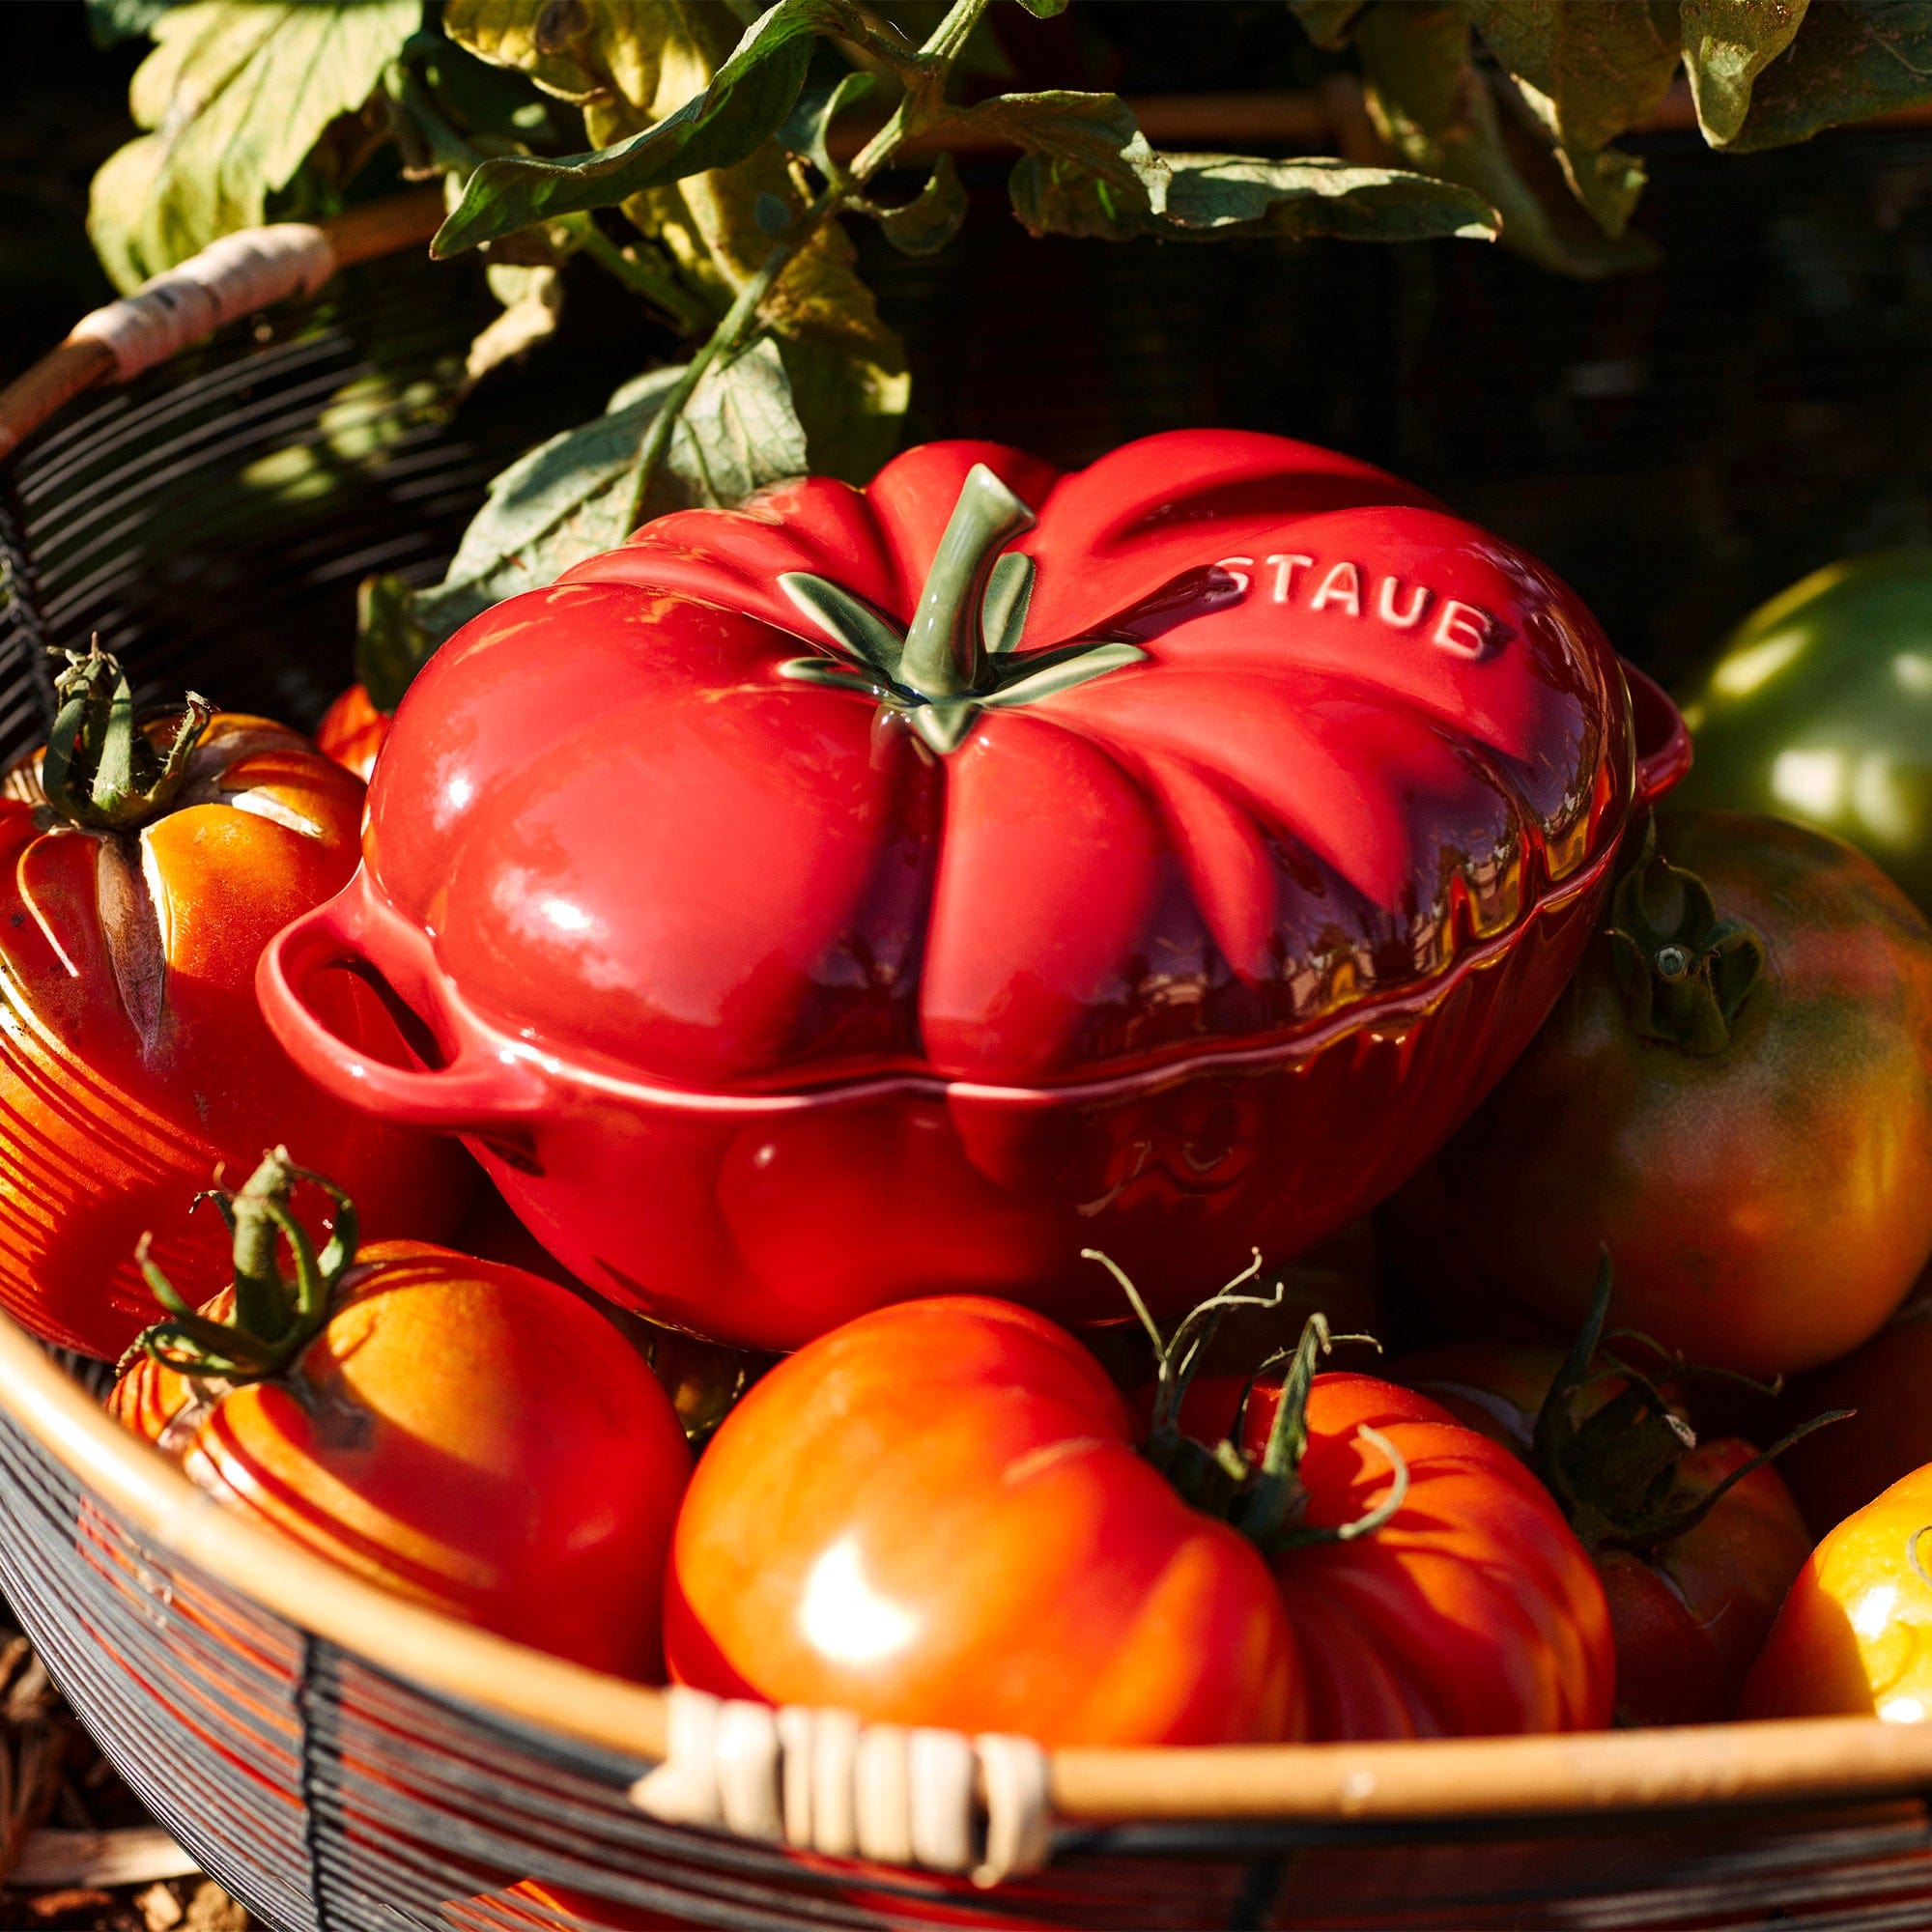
(338, 1759)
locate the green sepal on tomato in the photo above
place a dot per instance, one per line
(1733, 1096)
(1431, 1583)
(456, 1431)
(1696, 1540)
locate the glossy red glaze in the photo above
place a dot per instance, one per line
(763, 1012)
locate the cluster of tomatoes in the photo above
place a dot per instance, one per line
(1677, 1240)
(954, 1512)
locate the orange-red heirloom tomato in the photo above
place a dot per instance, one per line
(935, 1515)
(454, 1430)
(1692, 1598)
(1470, 1610)
(133, 1061)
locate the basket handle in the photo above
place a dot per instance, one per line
(481, 1090)
(1662, 738)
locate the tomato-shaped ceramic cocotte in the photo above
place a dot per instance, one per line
(867, 893)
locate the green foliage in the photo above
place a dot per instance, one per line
(1727, 44)
(744, 106)
(1441, 112)
(570, 497)
(1088, 170)
(927, 223)
(1523, 101)
(112, 22)
(686, 147)
(1851, 58)
(239, 95)
(808, 127)
(1587, 74)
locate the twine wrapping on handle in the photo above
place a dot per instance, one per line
(824, 1782)
(237, 274)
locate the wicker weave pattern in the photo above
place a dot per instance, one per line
(333, 1798)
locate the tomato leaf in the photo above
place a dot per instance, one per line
(1727, 44)
(111, 22)
(1587, 74)
(851, 400)
(569, 498)
(1088, 171)
(1439, 111)
(739, 433)
(237, 93)
(1086, 166)
(1849, 61)
(1044, 9)
(809, 125)
(746, 103)
(1217, 194)
(927, 222)
(577, 50)
(558, 503)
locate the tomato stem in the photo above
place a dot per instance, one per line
(1685, 972)
(1617, 1474)
(1263, 1499)
(101, 769)
(274, 1319)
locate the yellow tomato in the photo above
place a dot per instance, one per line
(1855, 1635)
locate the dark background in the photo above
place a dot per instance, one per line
(1680, 443)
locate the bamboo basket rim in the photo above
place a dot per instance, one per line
(1791, 1762)
(1788, 1761)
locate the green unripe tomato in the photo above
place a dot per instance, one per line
(1819, 709)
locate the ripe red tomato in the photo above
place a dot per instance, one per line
(1690, 1599)
(935, 1515)
(456, 1431)
(1855, 1635)
(353, 730)
(1734, 1096)
(133, 1060)
(1468, 1610)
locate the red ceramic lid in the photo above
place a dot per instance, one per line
(763, 800)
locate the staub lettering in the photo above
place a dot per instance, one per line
(1350, 590)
